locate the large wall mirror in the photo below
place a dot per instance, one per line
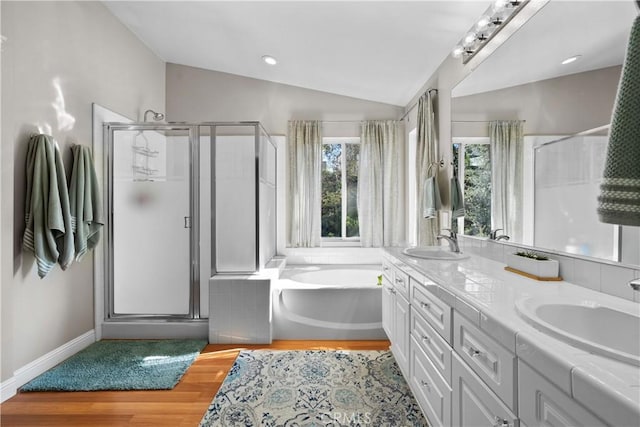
(565, 109)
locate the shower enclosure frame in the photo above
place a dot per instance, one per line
(194, 215)
(194, 134)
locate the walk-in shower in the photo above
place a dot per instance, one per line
(183, 202)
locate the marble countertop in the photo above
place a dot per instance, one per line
(481, 290)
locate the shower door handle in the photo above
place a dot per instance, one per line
(187, 222)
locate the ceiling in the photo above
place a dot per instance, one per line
(376, 50)
(597, 30)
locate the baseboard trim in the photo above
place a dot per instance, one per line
(8, 389)
(31, 370)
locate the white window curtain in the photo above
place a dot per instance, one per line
(381, 184)
(305, 159)
(506, 144)
(426, 167)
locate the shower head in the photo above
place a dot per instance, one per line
(156, 116)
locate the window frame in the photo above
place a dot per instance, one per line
(462, 142)
(342, 240)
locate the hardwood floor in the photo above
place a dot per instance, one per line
(183, 406)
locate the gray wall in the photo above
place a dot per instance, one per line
(194, 94)
(96, 59)
(560, 106)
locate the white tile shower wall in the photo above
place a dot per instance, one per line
(333, 255)
(603, 276)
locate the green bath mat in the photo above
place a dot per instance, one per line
(121, 365)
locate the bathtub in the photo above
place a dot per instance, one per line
(328, 302)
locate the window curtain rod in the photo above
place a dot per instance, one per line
(415, 104)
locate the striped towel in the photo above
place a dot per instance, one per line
(47, 215)
(619, 200)
(431, 202)
(86, 204)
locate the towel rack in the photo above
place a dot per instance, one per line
(439, 163)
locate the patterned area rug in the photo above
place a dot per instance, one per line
(314, 388)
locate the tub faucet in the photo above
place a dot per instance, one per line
(502, 237)
(452, 239)
(635, 284)
(494, 233)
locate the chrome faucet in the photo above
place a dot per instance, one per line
(452, 239)
(635, 284)
(493, 235)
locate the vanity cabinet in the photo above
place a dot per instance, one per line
(459, 374)
(544, 405)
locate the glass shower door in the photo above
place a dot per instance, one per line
(151, 226)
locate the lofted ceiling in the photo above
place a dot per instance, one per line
(376, 50)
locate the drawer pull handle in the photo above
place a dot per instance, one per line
(399, 280)
(393, 291)
(385, 268)
(426, 385)
(499, 422)
(425, 305)
(426, 339)
(473, 352)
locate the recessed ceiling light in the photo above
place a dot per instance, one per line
(269, 59)
(571, 59)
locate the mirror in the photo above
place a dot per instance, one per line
(525, 79)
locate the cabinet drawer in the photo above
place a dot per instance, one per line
(473, 403)
(387, 269)
(493, 363)
(432, 309)
(431, 391)
(401, 282)
(543, 404)
(433, 345)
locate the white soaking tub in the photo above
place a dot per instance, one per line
(330, 302)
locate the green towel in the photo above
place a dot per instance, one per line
(457, 201)
(619, 200)
(431, 202)
(47, 215)
(86, 204)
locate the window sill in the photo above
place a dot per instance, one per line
(340, 243)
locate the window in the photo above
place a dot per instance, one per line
(340, 189)
(472, 159)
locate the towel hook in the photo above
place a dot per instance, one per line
(439, 163)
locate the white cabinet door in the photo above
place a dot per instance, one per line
(493, 363)
(473, 403)
(401, 332)
(388, 307)
(543, 404)
(431, 391)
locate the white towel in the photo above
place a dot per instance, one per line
(431, 202)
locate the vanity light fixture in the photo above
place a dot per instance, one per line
(269, 59)
(571, 59)
(487, 26)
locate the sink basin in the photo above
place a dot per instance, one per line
(608, 331)
(433, 252)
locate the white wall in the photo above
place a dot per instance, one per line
(93, 58)
(560, 106)
(194, 94)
